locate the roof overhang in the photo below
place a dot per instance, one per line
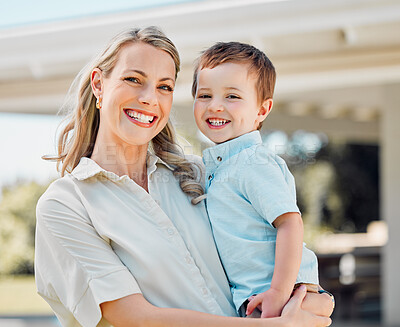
(333, 54)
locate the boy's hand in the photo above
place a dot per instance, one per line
(270, 303)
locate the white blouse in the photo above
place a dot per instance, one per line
(100, 237)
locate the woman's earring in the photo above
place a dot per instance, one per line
(98, 103)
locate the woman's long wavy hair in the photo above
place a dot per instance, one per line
(78, 136)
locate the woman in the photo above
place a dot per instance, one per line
(118, 240)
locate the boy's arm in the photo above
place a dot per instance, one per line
(288, 253)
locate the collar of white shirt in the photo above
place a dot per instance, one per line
(88, 168)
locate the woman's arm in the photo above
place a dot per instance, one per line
(75, 268)
(134, 310)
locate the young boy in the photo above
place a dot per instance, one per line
(251, 197)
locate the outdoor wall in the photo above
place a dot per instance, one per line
(390, 188)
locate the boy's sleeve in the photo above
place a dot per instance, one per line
(269, 186)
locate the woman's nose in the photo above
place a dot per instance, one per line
(148, 96)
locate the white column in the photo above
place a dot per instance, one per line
(390, 203)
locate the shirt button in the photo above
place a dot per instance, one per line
(170, 231)
(158, 202)
(204, 290)
(219, 158)
(188, 260)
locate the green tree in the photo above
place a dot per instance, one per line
(17, 227)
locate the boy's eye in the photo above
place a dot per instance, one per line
(233, 96)
(166, 88)
(204, 96)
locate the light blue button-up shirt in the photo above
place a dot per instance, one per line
(248, 187)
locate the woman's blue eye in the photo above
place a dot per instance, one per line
(166, 88)
(132, 79)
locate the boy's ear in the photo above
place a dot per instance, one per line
(265, 109)
(96, 82)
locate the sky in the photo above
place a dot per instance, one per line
(23, 140)
(23, 12)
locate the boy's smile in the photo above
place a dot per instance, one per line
(226, 103)
(217, 123)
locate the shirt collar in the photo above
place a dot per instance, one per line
(153, 160)
(88, 168)
(219, 153)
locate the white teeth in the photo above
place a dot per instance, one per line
(140, 117)
(217, 122)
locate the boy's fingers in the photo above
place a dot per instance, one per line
(250, 307)
(251, 298)
(255, 300)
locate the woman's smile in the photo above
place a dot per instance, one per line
(140, 117)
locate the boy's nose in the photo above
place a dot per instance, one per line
(216, 106)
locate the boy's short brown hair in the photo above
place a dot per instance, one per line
(237, 52)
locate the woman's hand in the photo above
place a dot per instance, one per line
(319, 304)
(294, 313)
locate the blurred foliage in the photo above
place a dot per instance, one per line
(339, 189)
(356, 184)
(314, 190)
(17, 227)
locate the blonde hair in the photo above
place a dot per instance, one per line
(78, 136)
